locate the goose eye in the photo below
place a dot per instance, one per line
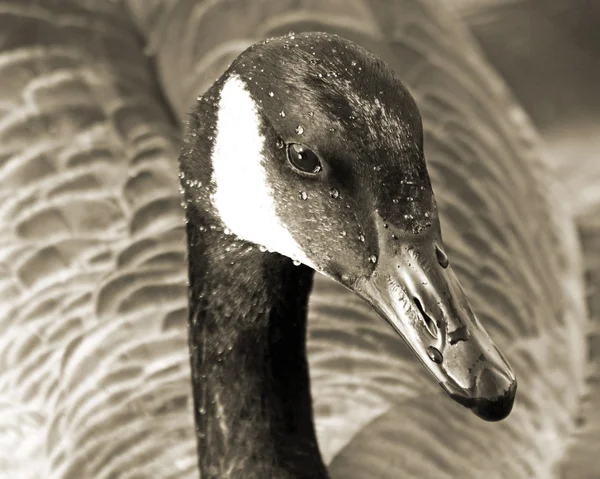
(303, 158)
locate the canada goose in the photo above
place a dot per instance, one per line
(94, 376)
(310, 147)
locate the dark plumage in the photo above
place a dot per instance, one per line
(367, 218)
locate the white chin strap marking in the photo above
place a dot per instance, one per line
(243, 197)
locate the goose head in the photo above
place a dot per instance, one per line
(310, 147)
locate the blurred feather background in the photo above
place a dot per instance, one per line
(93, 352)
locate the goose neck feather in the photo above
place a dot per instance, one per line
(247, 336)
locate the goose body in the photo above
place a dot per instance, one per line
(95, 378)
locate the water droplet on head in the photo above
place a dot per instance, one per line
(334, 193)
(353, 63)
(385, 225)
(427, 214)
(299, 129)
(262, 249)
(279, 144)
(311, 113)
(303, 195)
(395, 201)
(361, 237)
(342, 233)
(373, 259)
(435, 355)
(282, 114)
(296, 262)
(271, 94)
(441, 257)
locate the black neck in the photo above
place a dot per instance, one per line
(247, 338)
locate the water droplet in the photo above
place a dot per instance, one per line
(311, 113)
(299, 129)
(441, 257)
(427, 214)
(227, 231)
(202, 228)
(279, 144)
(377, 168)
(303, 195)
(296, 262)
(282, 114)
(201, 410)
(262, 249)
(353, 63)
(395, 201)
(385, 225)
(373, 259)
(343, 233)
(271, 94)
(435, 355)
(361, 237)
(334, 193)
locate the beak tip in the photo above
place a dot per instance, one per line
(496, 408)
(491, 409)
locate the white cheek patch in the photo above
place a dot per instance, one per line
(243, 197)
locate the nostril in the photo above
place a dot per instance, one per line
(429, 323)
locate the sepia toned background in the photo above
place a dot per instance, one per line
(94, 374)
